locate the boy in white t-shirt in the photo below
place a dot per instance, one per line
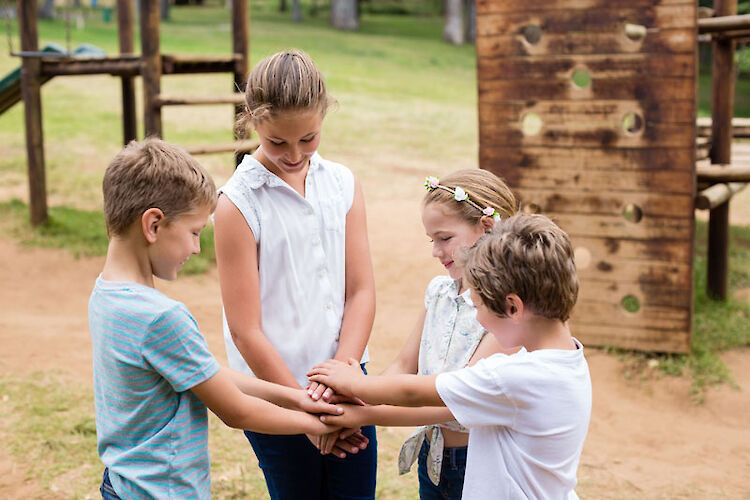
(527, 412)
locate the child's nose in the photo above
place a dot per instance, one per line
(435, 250)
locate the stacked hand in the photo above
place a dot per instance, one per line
(340, 442)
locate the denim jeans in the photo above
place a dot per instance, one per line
(451, 474)
(295, 469)
(106, 489)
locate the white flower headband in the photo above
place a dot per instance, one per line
(432, 183)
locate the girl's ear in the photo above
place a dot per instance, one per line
(487, 223)
(514, 307)
(150, 222)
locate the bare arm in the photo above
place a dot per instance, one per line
(407, 360)
(389, 416)
(400, 390)
(237, 263)
(359, 305)
(240, 411)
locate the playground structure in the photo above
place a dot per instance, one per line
(38, 67)
(588, 109)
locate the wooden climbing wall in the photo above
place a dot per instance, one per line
(587, 108)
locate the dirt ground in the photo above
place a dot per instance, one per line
(646, 440)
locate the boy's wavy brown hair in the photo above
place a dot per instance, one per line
(530, 256)
(153, 174)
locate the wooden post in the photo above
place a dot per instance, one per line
(127, 46)
(32, 101)
(151, 69)
(241, 48)
(722, 109)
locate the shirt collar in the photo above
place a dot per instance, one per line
(257, 175)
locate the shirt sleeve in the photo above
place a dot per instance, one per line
(475, 396)
(434, 288)
(175, 348)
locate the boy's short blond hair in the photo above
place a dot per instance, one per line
(526, 255)
(153, 174)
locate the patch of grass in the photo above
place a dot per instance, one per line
(83, 233)
(717, 325)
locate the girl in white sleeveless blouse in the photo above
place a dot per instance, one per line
(457, 210)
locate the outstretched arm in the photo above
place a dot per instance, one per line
(241, 411)
(388, 416)
(400, 390)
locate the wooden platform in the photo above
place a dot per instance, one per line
(587, 109)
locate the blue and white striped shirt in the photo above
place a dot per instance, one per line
(151, 429)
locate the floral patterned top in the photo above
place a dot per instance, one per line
(450, 335)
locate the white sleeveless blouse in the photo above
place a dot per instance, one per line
(301, 257)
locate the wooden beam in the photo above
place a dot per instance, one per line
(32, 100)
(718, 194)
(724, 23)
(244, 146)
(722, 109)
(115, 66)
(174, 100)
(151, 68)
(723, 173)
(740, 127)
(127, 84)
(184, 64)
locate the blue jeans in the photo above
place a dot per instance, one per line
(451, 474)
(106, 489)
(295, 469)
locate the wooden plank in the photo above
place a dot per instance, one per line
(500, 158)
(595, 112)
(629, 181)
(32, 101)
(655, 91)
(176, 100)
(601, 20)
(740, 127)
(244, 146)
(620, 248)
(715, 195)
(724, 23)
(600, 66)
(600, 201)
(595, 287)
(672, 41)
(642, 338)
(588, 135)
(115, 66)
(615, 226)
(723, 173)
(656, 317)
(493, 6)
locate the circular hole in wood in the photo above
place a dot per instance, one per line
(531, 124)
(635, 32)
(531, 208)
(582, 257)
(632, 213)
(532, 33)
(632, 123)
(631, 303)
(581, 78)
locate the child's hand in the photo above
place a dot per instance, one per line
(318, 391)
(354, 416)
(344, 441)
(337, 374)
(306, 404)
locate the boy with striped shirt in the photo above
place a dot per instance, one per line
(153, 373)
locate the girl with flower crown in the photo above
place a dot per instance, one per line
(456, 211)
(295, 274)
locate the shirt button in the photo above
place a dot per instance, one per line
(329, 306)
(321, 273)
(316, 241)
(309, 211)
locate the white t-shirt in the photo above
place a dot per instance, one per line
(301, 259)
(528, 414)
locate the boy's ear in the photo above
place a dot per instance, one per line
(487, 223)
(514, 307)
(150, 222)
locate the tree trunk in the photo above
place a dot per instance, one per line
(47, 10)
(164, 9)
(296, 11)
(454, 24)
(471, 21)
(345, 14)
(282, 6)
